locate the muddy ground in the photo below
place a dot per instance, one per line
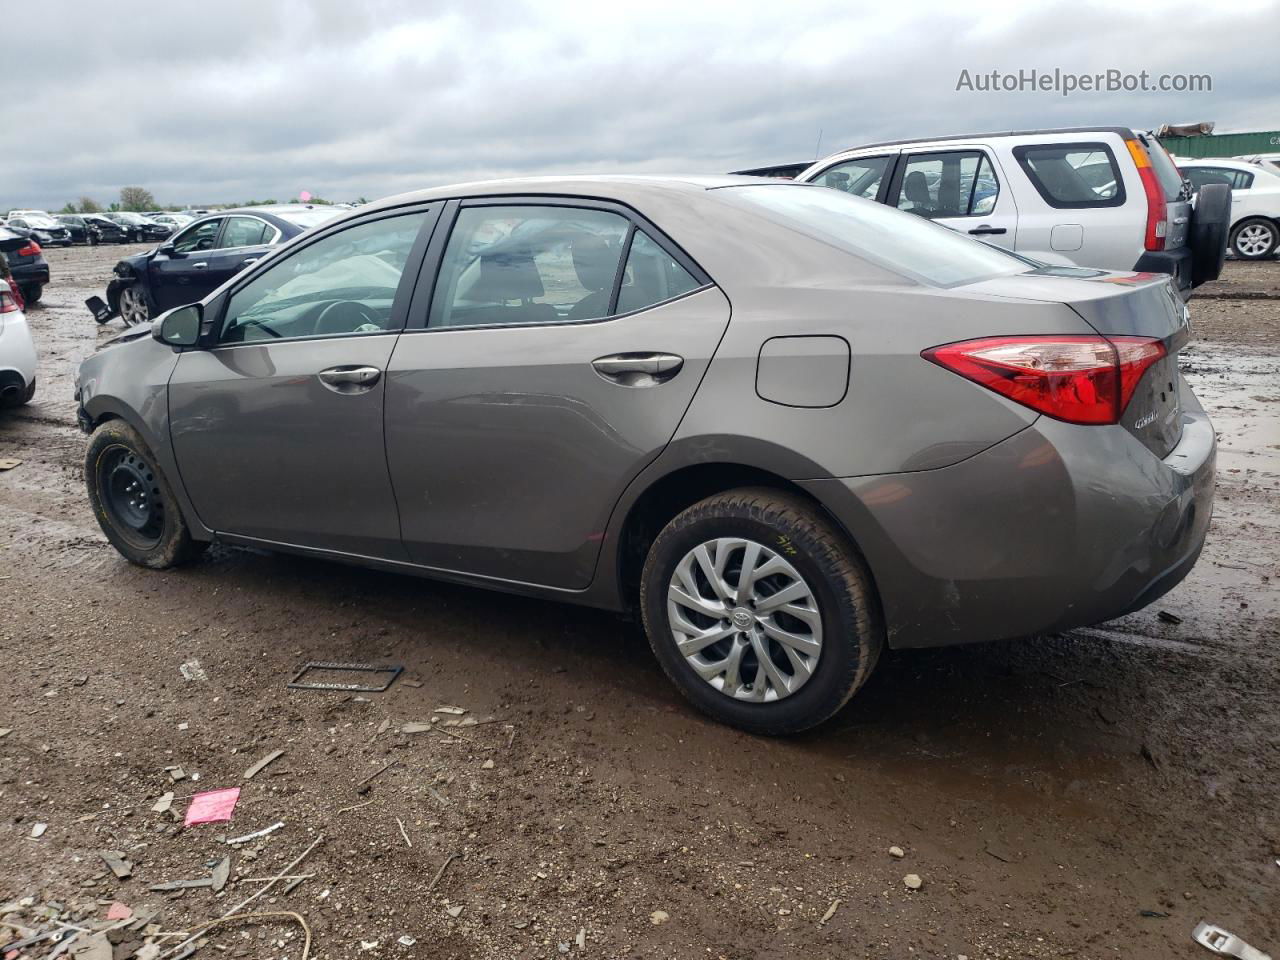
(1091, 795)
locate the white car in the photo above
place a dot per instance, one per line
(1106, 197)
(17, 353)
(1270, 161)
(1255, 202)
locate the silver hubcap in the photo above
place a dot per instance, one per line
(744, 619)
(1254, 240)
(132, 307)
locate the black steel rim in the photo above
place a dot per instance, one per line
(130, 492)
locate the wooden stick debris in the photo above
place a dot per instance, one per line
(356, 806)
(440, 873)
(403, 832)
(262, 764)
(377, 773)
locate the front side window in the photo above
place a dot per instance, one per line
(1073, 175)
(344, 284)
(528, 264)
(960, 184)
(246, 232)
(861, 177)
(198, 237)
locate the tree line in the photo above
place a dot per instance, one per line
(140, 199)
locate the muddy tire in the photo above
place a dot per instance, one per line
(133, 501)
(1255, 238)
(32, 293)
(761, 611)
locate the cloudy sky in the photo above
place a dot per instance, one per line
(239, 99)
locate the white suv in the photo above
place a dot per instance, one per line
(1091, 197)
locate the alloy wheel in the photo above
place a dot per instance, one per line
(1254, 240)
(744, 619)
(133, 307)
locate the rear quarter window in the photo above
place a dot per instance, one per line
(1073, 176)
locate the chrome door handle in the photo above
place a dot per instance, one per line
(249, 260)
(350, 379)
(199, 266)
(638, 369)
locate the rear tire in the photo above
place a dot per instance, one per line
(32, 293)
(1255, 238)
(133, 501)
(832, 629)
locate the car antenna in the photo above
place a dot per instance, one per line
(817, 147)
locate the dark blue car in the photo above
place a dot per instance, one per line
(200, 257)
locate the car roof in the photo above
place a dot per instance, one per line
(1123, 132)
(1229, 162)
(621, 188)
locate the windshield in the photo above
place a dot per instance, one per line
(900, 242)
(36, 220)
(311, 218)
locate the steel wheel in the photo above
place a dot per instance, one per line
(744, 619)
(132, 496)
(1254, 240)
(133, 306)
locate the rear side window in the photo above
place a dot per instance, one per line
(861, 177)
(959, 184)
(651, 276)
(247, 232)
(1073, 175)
(1235, 179)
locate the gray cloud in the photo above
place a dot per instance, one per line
(241, 99)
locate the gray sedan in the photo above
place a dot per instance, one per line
(784, 426)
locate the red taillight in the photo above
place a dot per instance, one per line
(1157, 207)
(30, 250)
(1079, 379)
(8, 304)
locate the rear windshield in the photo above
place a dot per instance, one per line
(900, 242)
(1166, 170)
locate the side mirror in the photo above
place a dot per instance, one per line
(179, 327)
(166, 249)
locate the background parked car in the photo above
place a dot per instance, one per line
(27, 264)
(42, 229)
(1092, 197)
(139, 228)
(174, 221)
(1255, 202)
(1270, 161)
(102, 230)
(199, 258)
(17, 352)
(75, 225)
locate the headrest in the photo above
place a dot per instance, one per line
(595, 260)
(916, 187)
(509, 276)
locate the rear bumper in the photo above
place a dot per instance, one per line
(25, 273)
(1058, 526)
(1176, 263)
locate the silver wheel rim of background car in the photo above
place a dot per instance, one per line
(133, 309)
(744, 619)
(1253, 240)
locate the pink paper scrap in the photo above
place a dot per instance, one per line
(119, 911)
(215, 806)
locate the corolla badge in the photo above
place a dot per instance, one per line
(1141, 422)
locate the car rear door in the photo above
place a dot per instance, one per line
(536, 379)
(277, 426)
(959, 187)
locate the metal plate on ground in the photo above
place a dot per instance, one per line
(389, 671)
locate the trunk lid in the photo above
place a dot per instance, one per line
(1122, 305)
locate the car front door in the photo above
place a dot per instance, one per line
(562, 347)
(959, 189)
(277, 424)
(243, 241)
(178, 273)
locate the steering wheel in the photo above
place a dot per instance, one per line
(344, 316)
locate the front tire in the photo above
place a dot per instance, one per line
(1255, 238)
(133, 306)
(760, 611)
(133, 501)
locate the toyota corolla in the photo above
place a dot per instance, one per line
(785, 426)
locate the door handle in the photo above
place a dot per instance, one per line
(248, 260)
(986, 231)
(350, 379)
(638, 369)
(199, 266)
